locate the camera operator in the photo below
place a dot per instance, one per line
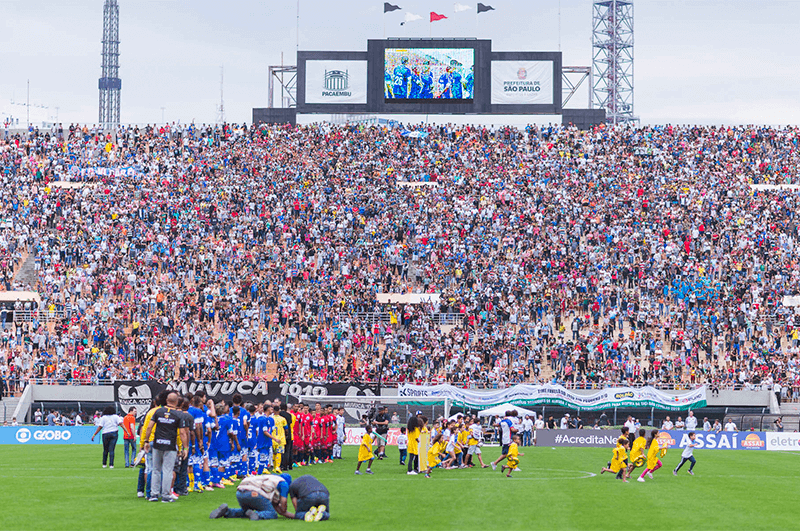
(381, 424)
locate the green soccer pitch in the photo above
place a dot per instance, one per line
(64, 488)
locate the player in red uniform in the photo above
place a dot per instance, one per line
(316, 433)
(330, 434)
(307, 436)
(297, 434)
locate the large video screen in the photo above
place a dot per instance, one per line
(441, 74)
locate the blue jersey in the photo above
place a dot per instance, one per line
(221, 441)
(199, 418)
(400, 79)
(268, 425)
(244, 419)
(470, 84)
(416, 87)
(210, 428)
(426, 92)
(455, 86)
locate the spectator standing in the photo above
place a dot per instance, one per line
(109, 423)
(731, 426)
(129, 436)
(706, 424)
(691, 421)
(527, 431)
(667, 424)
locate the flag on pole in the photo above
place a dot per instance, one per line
(410, 17)
(484, 8)
(458, 8)
(388, 8)
(436, 16)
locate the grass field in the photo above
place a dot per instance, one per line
(64, 488)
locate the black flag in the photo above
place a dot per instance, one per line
(388, 8)
(483, 8)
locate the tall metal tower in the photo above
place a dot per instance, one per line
(110, 84)
(221, 107)
(612, 59)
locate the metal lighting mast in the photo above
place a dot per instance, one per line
(110, 84)
(612, 59)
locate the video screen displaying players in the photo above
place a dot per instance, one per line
(413, 74)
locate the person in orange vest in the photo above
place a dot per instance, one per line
(129, 436)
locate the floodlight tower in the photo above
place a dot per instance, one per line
(612, 59)
(110, 84)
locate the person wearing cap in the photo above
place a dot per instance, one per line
(310, 498)
(259, 498)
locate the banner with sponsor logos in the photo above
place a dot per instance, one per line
(522, 82)
(48, 435)
(140, 394)
(556, 395)
(677, 439)
(336, 81)
(352, 436)
(777, 441)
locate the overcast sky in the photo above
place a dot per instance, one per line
(696, 61)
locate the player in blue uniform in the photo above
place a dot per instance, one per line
(426, 79)
(252, 436)
(451, 83)
(198, 458)
(264, 439)
(244, 424)
(224, 441)
(236, 449)
(416, 84)
(470, 82)
(400, 79)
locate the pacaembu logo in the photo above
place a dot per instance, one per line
(752, 441)
(626, 394)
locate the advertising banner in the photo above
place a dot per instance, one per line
(352, 436)
(522, 82)
(336, 81)
(783, 441)
(677, 439)
(556, 395)
(140, 394)
(47, 435)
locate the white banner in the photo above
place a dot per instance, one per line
(336, 82)
(522, 82)
(534, 395)
(783, 441)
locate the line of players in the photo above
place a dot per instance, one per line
(228, 441)
(416, 83)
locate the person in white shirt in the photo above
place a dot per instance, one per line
(679, 425)
(667, 425)
(706, 424)
(402, 445)
(691, 422)
(730, 426)
(565, 421)
(109, 423)
(630, 424)
(527, 431)
(538, 426)
(686, 455)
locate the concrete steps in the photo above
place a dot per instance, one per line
(7, 408)
(27, 274)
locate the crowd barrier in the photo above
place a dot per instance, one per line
(676, 439)
(48, 435)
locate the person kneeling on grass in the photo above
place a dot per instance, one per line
(258, 497)
(310, 498)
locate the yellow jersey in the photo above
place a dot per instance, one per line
(365, 450)
(638, 447)
(278, 432)
(413, 442)
(652, 454)
(618, 458)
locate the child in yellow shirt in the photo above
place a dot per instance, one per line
(365, 451)
(619, 461)
(514, 454)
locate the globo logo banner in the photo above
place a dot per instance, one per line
(47, 435)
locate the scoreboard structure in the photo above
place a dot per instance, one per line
(427, 76)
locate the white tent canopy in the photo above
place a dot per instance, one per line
(500, 410)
